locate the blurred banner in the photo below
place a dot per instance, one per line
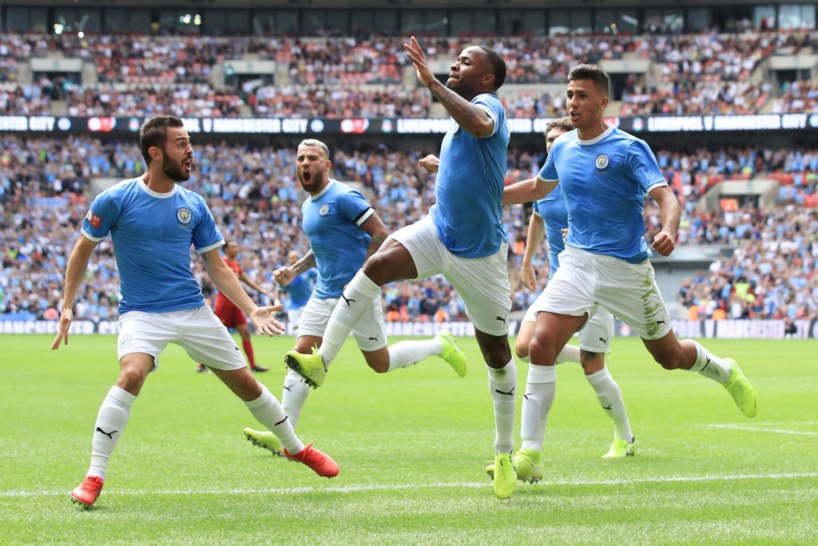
(399, 126)
(721, 329)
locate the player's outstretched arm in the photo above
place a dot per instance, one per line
(527, 191)
(664, 242)
(473, 119)
(536, 234)
(243, 277)
(228, 284)
(77, 264)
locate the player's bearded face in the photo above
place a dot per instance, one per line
(311, 168)
(177, 169)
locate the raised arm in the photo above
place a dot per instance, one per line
(77, 265)
(473, 119)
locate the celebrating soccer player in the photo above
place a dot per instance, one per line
(463, 237)
(153, 221)
(605, 175)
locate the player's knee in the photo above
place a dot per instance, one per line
(131, 379)
(542, 351)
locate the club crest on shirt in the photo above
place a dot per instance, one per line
(601, 161)
(323, 210)
(183, 215)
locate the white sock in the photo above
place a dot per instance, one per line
(709, 365)
(540, 390)
(111, 420)
(502, 385)
(269, 413)
(354, 302)
(408, 353)
(610, 398)
(569, 353)
(293, 395)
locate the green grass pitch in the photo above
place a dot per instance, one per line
(412, 447)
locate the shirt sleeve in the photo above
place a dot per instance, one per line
(355, 207)
(492, 106)
(549, 170)
(206, 235)
(101, 217)
(642, 163)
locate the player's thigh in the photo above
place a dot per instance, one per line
(145, 333)
(424, 245)
(595, 336)
(370, 330)
(570, 291)
(482, 284)
(630, 292)
(315, 317)
(202, 335)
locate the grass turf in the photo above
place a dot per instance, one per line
(412, 447)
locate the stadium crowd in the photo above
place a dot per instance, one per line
(136, 75)
(256, 198)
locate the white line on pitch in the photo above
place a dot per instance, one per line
(398, 487)
(763, 429)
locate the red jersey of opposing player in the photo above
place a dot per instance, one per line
(227, 311)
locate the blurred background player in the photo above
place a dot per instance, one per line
(153, 222)
(343, 230)
(230, 314)
(298, 290)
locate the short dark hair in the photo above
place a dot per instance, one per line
(154, 133)
(498, 66)
(563, 124)
(591, 72)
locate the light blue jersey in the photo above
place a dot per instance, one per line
(468, 214)
(332, 222)
(300, 289)
(605, 182)
(553, 210)
(152, 233)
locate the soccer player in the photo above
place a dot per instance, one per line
(153, 221)
(605, 175)
(463, 237)
(230, 314)
(343, 230)
(299, 289)
(550, 220)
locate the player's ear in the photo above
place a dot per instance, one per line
(604, 102)
(155, 153)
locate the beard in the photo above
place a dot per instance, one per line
(175, 170)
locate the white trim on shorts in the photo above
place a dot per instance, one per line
(482, 283)
(198, 331)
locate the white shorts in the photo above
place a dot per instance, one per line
(198, 331)
(629, 291)
(369, 332)
(294, 316)
(595, 336)
(482, 283)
